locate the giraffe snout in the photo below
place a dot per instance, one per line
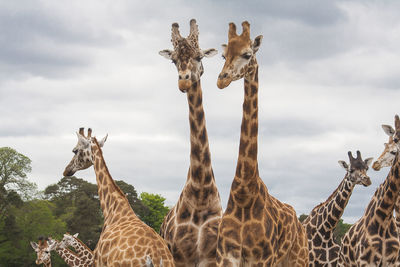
(223, 80)
(184, 81)
(366, 181)
(376, 166)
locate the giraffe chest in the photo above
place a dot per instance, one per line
(191, 234)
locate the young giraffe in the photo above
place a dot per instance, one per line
(44, 248)
(43, 251)
(191, 227)
(125, 239)
(85, 253)
(256, 229)
(374, 240)
(323, 219)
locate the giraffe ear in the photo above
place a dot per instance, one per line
(257, 43)
(102, 141)
(76, 235)
(210, 52)
(388, 129)
(368, 161)
(166, 53)
(343, 164)
(34, 245)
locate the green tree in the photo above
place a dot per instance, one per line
(33, 219)
(302, 217)
(155, 210)
(14, 186)
(340, 230)
(76, 202)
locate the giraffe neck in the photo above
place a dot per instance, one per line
(81, 248)
(47, 264)
(112, 199)
(247, 165)
(200, 181)
(382, 205)
(397, 209)
(329, 212)
(68, 256)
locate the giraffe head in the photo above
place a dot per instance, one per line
(391, 148)
(187, 55)
(43, 250)
(68, 240)
(83, 157)
(239, 55)
(357, 169)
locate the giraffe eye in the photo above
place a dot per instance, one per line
(198, 58)
(223, 57)
(75, 151)
(352, 170)
(393, 152)
(246, 56)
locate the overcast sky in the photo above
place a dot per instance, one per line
(329, 77)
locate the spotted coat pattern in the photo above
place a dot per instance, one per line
(256, 228)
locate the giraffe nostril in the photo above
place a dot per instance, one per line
(187, 76)
(225, 75)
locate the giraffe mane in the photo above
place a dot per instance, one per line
(108, 172)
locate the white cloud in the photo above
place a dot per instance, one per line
(328, 79)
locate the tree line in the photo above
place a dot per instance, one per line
(71, 205)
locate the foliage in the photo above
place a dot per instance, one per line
(33, 219)
(76, 202)
(155, 212)
(14, 186)
(14, 167)
(340, 231)
(302, 217)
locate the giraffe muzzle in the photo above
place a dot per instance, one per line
(184, 85)
(366, 181)
(376, 166)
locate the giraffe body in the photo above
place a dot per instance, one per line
(374, 239)
(256, 229)
(81, 249)
(323, 219)
(190, 228)
(125, 240)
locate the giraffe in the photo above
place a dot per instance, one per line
(323, 219)
(256, 229)
(125, 240)
(191, 226)
(46, 245)
(85, 253)
(43, 250)
(386, 159)
(374, 240)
